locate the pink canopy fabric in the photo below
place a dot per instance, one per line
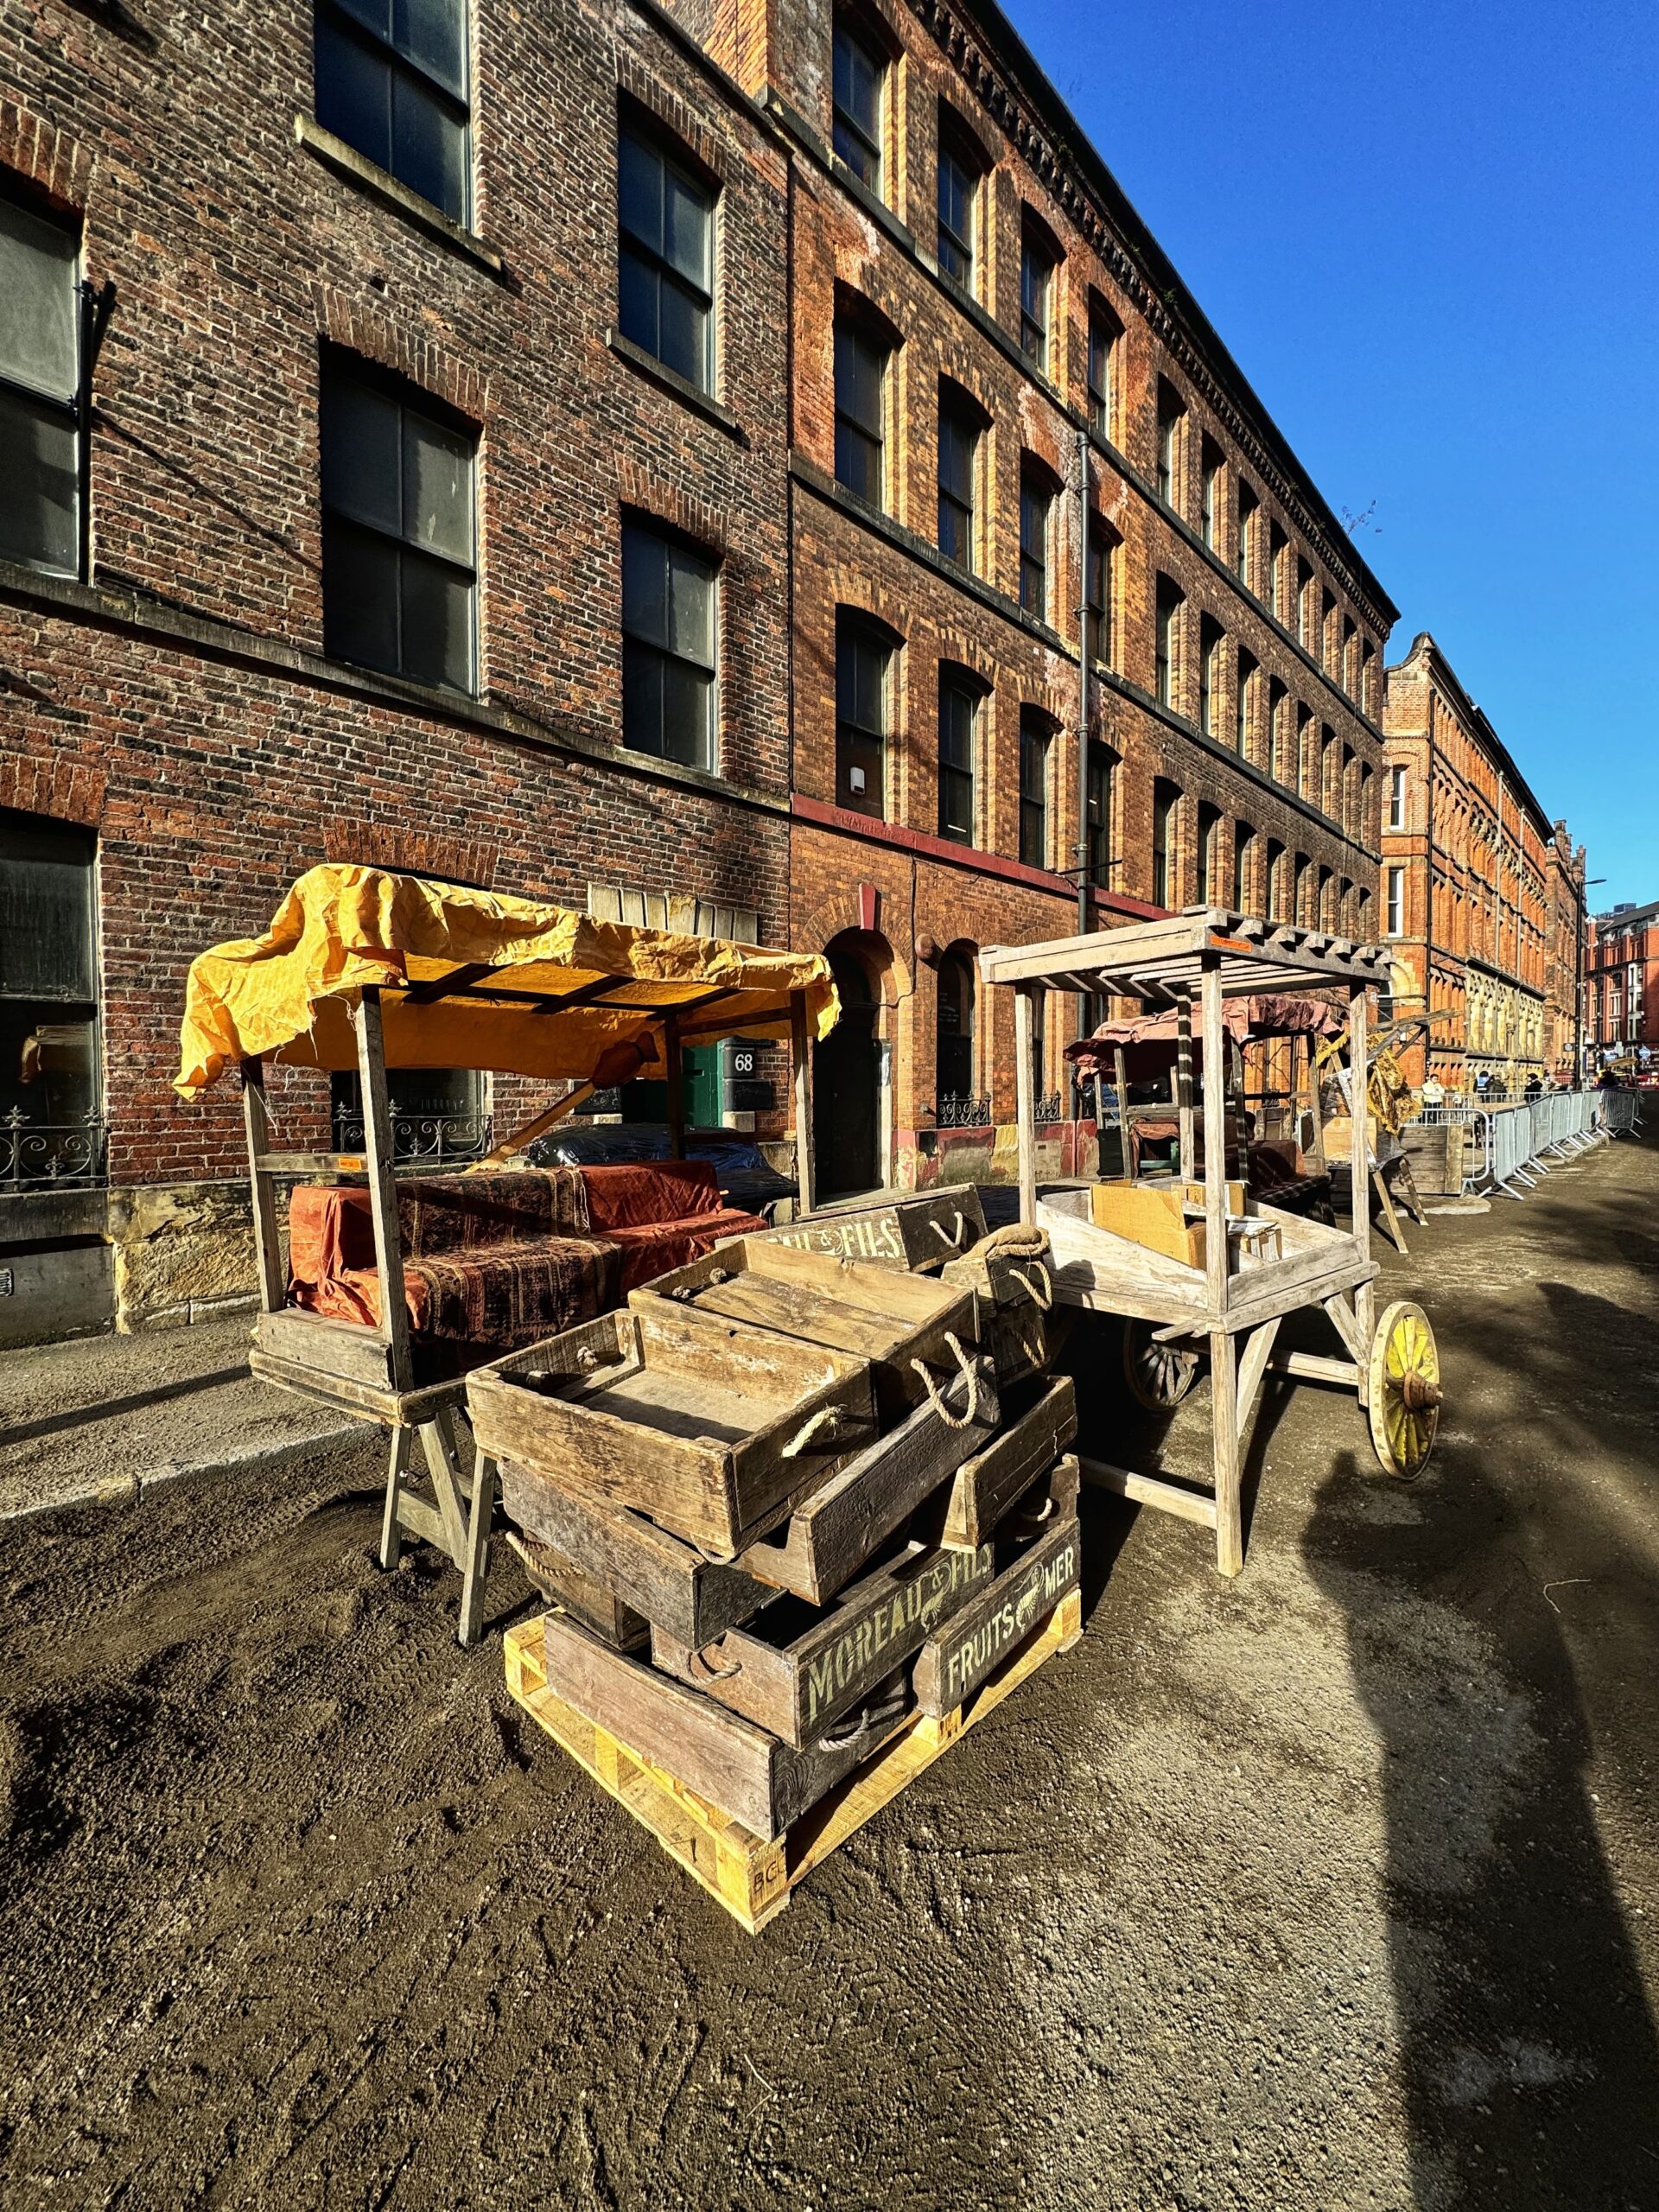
(1247, 1021)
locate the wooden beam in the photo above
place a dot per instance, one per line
(383, 1192)
(1184, 1089)
(267, 1238)
(440, 987)
(800, 1045)
(1146, 1489)
(1214, 1140)
(1223, 1436)
(549, 1118)
(1364, 1301)
(1309, 1367)
(1025, 1102)
(1251, 1367)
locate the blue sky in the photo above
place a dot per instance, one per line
(1428, 230)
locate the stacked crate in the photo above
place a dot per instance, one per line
(801, 1521)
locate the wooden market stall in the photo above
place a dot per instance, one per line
(1211, 1270)
(364, 969)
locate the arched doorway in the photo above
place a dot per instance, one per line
(954, 1039)
(847, 1085)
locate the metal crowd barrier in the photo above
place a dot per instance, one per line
(1509, 1145)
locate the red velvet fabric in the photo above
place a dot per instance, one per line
(653, 1248)
(635, 1194)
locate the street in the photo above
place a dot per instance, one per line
(1333, 1887)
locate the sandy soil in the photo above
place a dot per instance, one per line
(1334, 1887)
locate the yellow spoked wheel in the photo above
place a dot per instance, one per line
(1159, 1375)
(1405, 1390)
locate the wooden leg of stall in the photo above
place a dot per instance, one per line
(476, 1566)
(800, 1045)
(1184, 1089)
(1223, 1429)
(1390, 1218)
(391, 1520)
(267, 1240)
(1024, 1100)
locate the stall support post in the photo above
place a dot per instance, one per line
(267, 1243)
(1120, 1072)
(1223, 1377)
(674, 1071)
(383, 1190)
(1360, 1172)
(1024, 1100)
(800, 1050)
(1183, 1087)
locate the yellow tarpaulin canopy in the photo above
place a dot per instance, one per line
(473, 980)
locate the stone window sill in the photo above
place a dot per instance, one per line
(346, 162)
(672, 381)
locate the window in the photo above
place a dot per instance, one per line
(1276, 889)
(49, 1000)
(391, 81)
(959, 435)
(1278, 554)
(1327, 633)
(958, 713)
(1349, 657)
(1305, 764)
(1244, 543)
(1304, 609)
(1302, 892)
(1396, 924)
(1210, 639)
(1102, 763)
(1170, 603)
(1247, 667)
(399, 579)
(1327, 906)
(666, 260)
(1211, 490)
(1278, 731)
(1209, 855)
(668, 648)
(1166, 798)
(1244, 839)
(860, 94)
(1330, 788)
(861, 380)
(1036, 281)
(954, 1045)
(438, 1115)
(1035, 499)
(1367, 659)
(959, 173)
(863, 657)
(1171, 415)
(1034, 737)
(1104, 333)
(1098, 593)
(40, 392)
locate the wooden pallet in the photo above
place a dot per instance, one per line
(750, 1878)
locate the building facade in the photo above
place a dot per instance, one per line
(404, 469)
(1064, 602)
(1567, 932)
(1466, 888)
(1622, 986)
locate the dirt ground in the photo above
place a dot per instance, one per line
(1334, 1887)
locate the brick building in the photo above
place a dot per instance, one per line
(1567, 932)
(1622, 985)
(424, 504)
(979, 318)
(1476, 885)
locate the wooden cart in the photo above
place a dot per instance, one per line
(1228, 1305)
(361, 970)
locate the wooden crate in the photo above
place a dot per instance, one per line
(752, 1876)
(1038, 1428)
(916, 1233)
(712, 1431)
(997, 1618)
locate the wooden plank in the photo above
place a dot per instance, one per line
(801, 1072)
(667, 1582)
(796, 1670)
(1025, 1104)
(1216, 1256)
(342, 1348)
(827, 1539)
(1309, 1367)
(268, 1278)
(1224, 1441)
(383, 1194)
(994, 1621)
(347, 1164)
(986, 1486)
(1251, 1368)
(585, 1595)
(915, 1233)
(1147, 1489)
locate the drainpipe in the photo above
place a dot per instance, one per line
(1083, 906)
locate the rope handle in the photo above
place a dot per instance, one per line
(825, 1416)
(1043, 1299)
(861, 1720)
(701, 1668)
(955, 1236)
(1033, 1517)
(970, 1374)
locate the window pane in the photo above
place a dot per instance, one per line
(437, 624)
(359, 597)
(429, 146)
(861, 670)
(957, 444)
(642, 698)
(39, 484)
(857, 98)
(684, 342)
(688, 699)
(361, 466)
(353, 92)
(38, 341)
(858, 379)
(858, 463)
(373, 14)
(433, 33)
(437, 487)
(686, 227)
(639, 190)
(644, 585)
(690, 605)
(637, 308)
(46, 910)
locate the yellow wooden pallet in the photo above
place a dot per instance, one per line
(751, 1877)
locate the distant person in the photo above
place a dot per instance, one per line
(1608, 1080)
(1434, 1092)
(1535, 1086)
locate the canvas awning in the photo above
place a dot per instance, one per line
(472, 979)
(1248, 1020)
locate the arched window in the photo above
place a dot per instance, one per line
(954, 1045)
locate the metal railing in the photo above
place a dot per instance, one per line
(956, 1113)
(1050, 1109)
(424, 1140)
(1509, 1147)
(46, 1155)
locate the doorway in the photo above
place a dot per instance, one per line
(847, 1085)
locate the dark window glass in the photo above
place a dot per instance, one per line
(1104, 334)
(1036, 276)
(666, 260)
(398, 563)
(1276, 882)
(1034, 501)
(862, 659)
(958, 192)
(40, 385)
(958, 713)
(954, 1066)
(391, 81)
(1165, 799)
(1170, 414)
(1246, 680)
(861, 370)
(958, 458)
(48, 992)
(1101, 762)
(1169, 642)
(1212, 467)
(668, 648)
(1210, 641)
(859, 83)
(1034, 789)
(1099, 595)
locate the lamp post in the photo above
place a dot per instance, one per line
(1585, 889)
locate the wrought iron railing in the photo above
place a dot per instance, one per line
(958, 1113)
(424, 1140)
(40, 1155)
(1051, 1108)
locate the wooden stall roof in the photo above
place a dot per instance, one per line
(474, 979)
(1159, 962)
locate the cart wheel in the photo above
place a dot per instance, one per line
(1405, 1392)
(1159, 1375)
